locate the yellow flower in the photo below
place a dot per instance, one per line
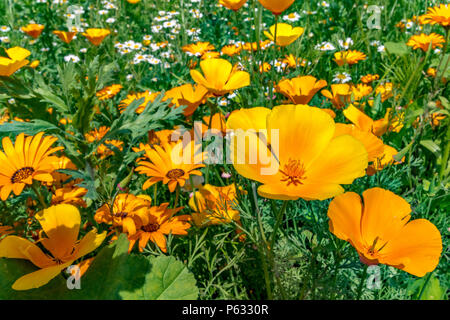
(276, 6)
(385, 159)
(286, 34)
(69, 195)
(369, 78)
(33, 30)
(96, 36)
(438, 15)
(300, 90)
(386, 91)
(348, 57)
(96, 134)
(34, 64)
(128, 212)
(366, 123)
(187, 95)
(423, 41)
(231, 50)
(219, 77)
(147, 95)
(5, 230)
(65, 36)
(374, 146)
(340, 95)
(214, 205)
(61, 224)
(17, 59)
(199, 48)
(29, 159)
(304, 159)
(171, 163)
(109, 92)
(360, 91)
(233, 4)
(379, 228)
(160, 221)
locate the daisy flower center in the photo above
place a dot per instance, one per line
(293, 172)
(175, 174)
(22, 174)
(151, 227)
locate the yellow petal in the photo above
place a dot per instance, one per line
(304, 132)
(39, 278)
(61, 224)
(384, 216)
(416, 249)
(19, 248)
(345, 217)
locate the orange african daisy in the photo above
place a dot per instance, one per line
(171, 163)
(29, 159)
(160, 222)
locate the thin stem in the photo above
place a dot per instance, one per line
(39, 195)
(278, 223)
(422, 290)
(361, 283)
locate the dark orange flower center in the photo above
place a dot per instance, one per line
(151, 227)
(22, 174)
(293, 172)
(175, 174)
(121, 214)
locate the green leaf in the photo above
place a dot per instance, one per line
(113, 273)
(32, 127)
(13, 269)
(431, 146)
(432, 290)
(169, 279)
(396, 48)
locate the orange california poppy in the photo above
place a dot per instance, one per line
(33, 30)
(171, 163)
(374, 145)
(300, 90)
(340, 95)
(276, 6)
(16, 59)
(61, 225)
(234, 5)
(161, 221)
(286, 34)
(297, 155)
(219, 77)
(65, 36)
(29, 159)
(379, 228)
(191, 96)
(366, 123)
(95, 35)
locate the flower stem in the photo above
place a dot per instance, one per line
(278, 223)
(39, 195)
(361, 283)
